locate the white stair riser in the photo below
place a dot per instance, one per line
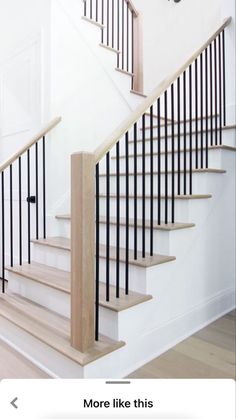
(42, 294)
(50, 256)
(201, 183)
(164, 242)
(214, 161)
(181, 208)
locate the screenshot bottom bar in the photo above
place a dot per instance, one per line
(160, 399)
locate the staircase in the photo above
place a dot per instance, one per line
(161, 184)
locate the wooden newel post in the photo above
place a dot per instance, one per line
(138, 54)
(82, 250)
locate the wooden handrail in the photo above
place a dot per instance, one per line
(132, 7)
(45, 130)
(108, 144)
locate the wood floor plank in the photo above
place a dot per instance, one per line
(210, 353)
(217, 337)
(176, 365)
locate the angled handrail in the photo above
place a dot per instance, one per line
(108, 144)
(44, 131)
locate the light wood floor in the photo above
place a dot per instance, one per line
(209, 353)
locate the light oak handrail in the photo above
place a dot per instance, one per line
(44, 131)
(108, 144)
(132, 7)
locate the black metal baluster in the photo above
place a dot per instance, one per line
(211, 93)
(96, 10)
(172, 154)
(3, 234)
(135, 194)
(220, 89)
(216, 93)
(44, 190)
(190, 131)
(118, 220)
(127, 213)
(185, 133)
(108, 226)
(179, 136)
(206, 103)
(123, 34)
(196, 113)
(11, 218)
(201, 107)
(20, 212)
(85, 8)
(127, 38)
(102, 12)
(113, 23)
(151, 182)
(97, 253)
(224, 80)
(166, 157)
(28, 205)
(37, 192)
(143, 187)
(118, 33)
(91, 9)
(108, 23)
(159, 161)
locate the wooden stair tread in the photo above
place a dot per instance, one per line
(25, 318)
(128, 73)
(87, 19)
(162, 137)
(110, 48)
(169, 121)
(60, 280)
(213, 147)
(146, 262)
(179, 197)
(155, 172)
(163, 226)
(55, 278)
(64, 243)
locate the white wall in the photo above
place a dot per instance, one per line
(24, 34)
(173, 31)
(92, 98)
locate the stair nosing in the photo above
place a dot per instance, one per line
(99, 25)
(155, 172)
(169, 121)
(162, 137)
(162, 227)
(213, 147)
(178, 197)
(147, 262)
